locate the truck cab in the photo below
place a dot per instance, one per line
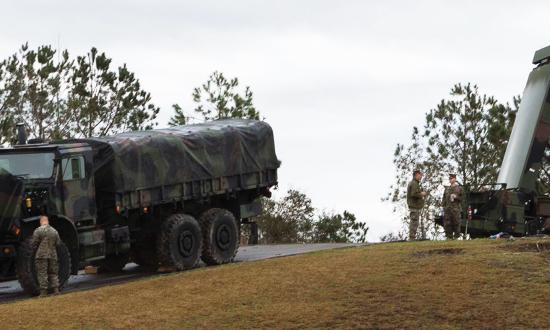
(50, 179)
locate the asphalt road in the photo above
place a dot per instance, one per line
(11, 290)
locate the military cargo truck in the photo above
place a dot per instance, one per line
(513, 205)
(166, 197)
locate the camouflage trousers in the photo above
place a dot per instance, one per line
(47, 273)
(413, 223)
(451, 223)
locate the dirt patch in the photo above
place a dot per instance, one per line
(446, 251)
(532, 246)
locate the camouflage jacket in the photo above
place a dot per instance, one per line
(45, 241)
(456, 203)
(415, 200)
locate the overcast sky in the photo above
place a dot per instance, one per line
(341, 82)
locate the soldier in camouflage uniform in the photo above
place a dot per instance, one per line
(415, 202)
(452, 208)
(45, 240)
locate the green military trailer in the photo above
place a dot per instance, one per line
(513, 204)
(166, 197)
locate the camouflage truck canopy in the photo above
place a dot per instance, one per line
(144, 159)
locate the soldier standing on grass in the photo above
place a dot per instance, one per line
(45, 241)
(415, 202)
(452, 207)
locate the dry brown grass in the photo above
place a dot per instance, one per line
(486, 284)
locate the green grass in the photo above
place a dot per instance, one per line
(444, 285)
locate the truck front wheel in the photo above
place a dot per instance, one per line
(220, 236)
(179, 242)
(26, 270)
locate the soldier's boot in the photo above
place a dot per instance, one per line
(43, 293)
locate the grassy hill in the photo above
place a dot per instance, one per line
(446, 285)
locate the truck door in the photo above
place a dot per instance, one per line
(78, 190)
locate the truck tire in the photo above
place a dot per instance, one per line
(26, 271)
(114, 263)
(179, 242)
(220, 236)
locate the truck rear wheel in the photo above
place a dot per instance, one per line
(179, 242)
(220, 236)
(26, 270)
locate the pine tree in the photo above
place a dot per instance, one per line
(106, 101)
(57, 97)
(179, 118)
(467, 134)
(31, 88)
(218, 98)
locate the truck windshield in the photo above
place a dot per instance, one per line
(31, 166)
